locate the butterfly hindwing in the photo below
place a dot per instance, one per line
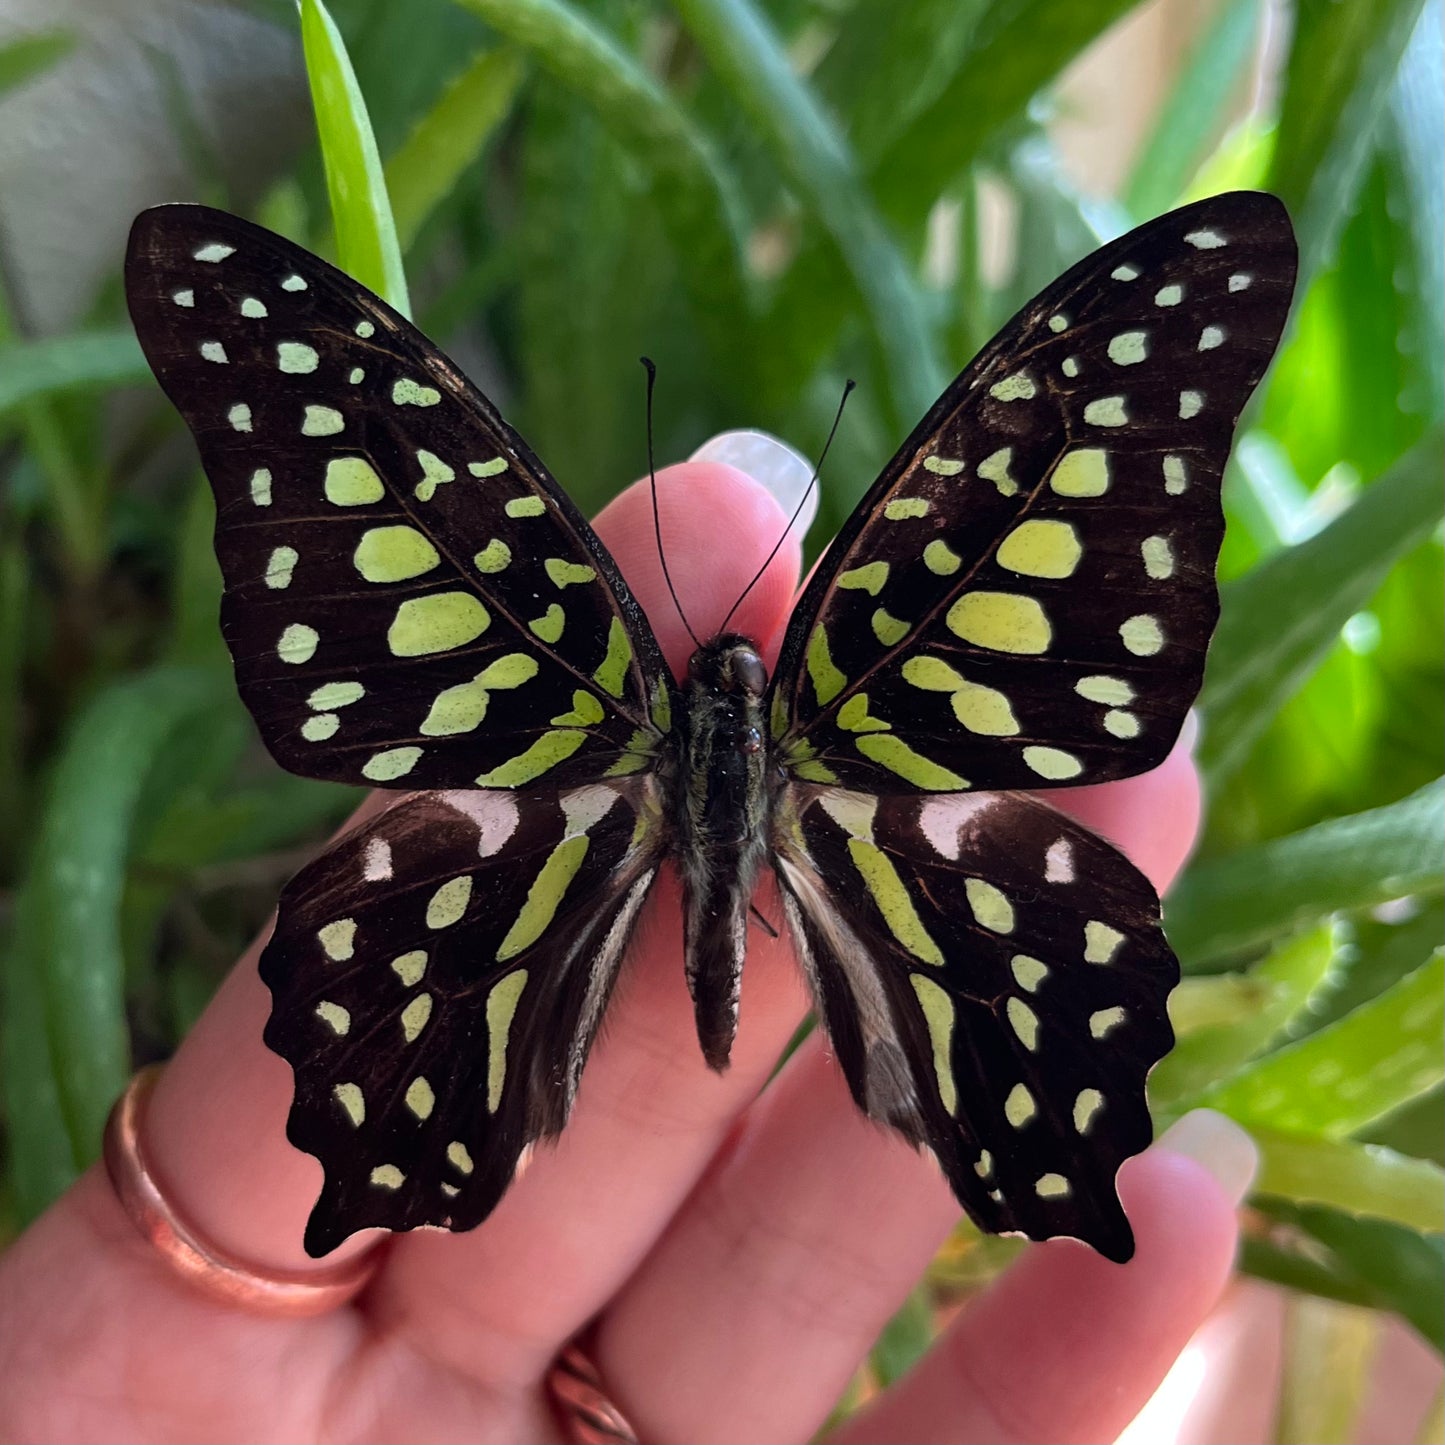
(437, 978)
(993, 978)
(1025, 596)
(411, 600)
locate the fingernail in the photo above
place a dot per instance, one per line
(1189, 733)
(1220, 1145)
(770, 462)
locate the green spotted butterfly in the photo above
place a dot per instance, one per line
(1023, 598)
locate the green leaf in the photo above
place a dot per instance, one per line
(889, 61)
(41, 1162)
(1349, 1074)
(1195, 110)
(1361, 1179)
(905, 1339)
(450, 137)
(29, 56)
(695, 193)
(72, 891)
(1258, 894)
(1018, 49)
(1417, 107)
(747, 56)
(1266, 1001)
(366, 242)
(1342, 64)
(1396, 1268)
(62, 365)
(1280, 619)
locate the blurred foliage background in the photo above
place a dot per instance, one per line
(768, 196)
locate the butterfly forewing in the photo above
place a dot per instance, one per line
(437, 979)
(1026, 595)
(994, 979)
(410, 601)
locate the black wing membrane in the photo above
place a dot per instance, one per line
(1025, 596)
(411, 601)
(437, 978)
(993, 978)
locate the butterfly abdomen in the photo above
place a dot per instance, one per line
(720, 826)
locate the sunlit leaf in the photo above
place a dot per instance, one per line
(1265, 1002)
(1364, 1179)
(450, 137)
(1337, 1081)
(1280, 619)
(366, 242)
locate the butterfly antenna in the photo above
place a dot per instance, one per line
(656, 517)
(798, 510)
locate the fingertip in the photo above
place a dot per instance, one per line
(718, 526)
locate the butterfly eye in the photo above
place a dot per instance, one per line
(748, 672)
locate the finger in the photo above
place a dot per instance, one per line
(649, 1113)
(803, 1240)
(1067, 1346)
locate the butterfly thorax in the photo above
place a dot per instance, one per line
(720, 825)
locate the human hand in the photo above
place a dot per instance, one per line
(736, 1249)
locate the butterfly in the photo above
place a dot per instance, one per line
(1023, 599)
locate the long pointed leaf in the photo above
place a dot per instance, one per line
(748, 58)
(74, 885)
(1280, 619)
(1342, 64)
(449, 137)
(1361, 1179)
(1248, 898)
(366, 243)
(1351, 1073)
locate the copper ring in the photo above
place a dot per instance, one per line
(577, 1393)
(291, 1293)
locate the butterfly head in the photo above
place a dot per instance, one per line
(728, 664)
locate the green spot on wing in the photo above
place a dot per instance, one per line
(889, 893)
(612, 670)
(828, 681)
(544, 897)
(544, 755)
(564, 573)
(586, 711)
(891, 752)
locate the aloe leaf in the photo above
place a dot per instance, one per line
(1349, 1074)
(1016, 51)
(1393, 1268)
(1251, 897)
(366, 242)
(748, 58)
(1361, 1179)
(1342, 63)
(890, 61)
(72, 890)
(696, 195)
(1195, 110)
(41, 1163)
(421, 174)
(1268, 999)
(1280, 619)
